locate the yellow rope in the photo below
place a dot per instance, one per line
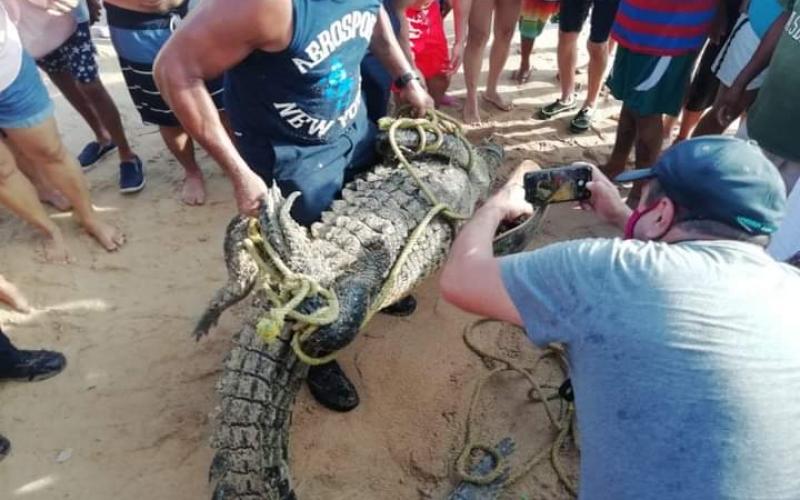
(537, 395)
(438, 124)
(286, 290)
(286, 294)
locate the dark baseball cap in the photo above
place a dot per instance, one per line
(720, 178)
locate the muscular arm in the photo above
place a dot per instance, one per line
(385, 47)
(471, 277)
(216, 37)
(400, 7)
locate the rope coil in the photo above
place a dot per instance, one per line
(563, 424)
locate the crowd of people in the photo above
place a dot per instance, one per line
(688, 313)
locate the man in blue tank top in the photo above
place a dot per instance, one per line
(293, 94)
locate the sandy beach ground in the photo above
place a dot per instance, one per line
(129, 417)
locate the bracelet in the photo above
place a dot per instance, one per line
(403, 80)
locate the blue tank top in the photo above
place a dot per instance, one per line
(309, 93)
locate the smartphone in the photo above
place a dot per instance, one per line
(558, 184)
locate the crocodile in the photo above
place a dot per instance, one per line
(350, 251)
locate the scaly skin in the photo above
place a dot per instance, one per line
(352, 249)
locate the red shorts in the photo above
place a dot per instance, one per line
(428, 41)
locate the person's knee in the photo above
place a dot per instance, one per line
(597, 51)
(45, 152)
(504, 34)
(93, 90)
(7, 169)
(478, 35)
(567, 40)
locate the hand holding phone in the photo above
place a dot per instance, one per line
(558, 185)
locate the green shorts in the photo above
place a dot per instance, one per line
(651, 85)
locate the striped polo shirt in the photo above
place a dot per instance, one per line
(664, 27)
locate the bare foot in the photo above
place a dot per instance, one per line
(12, 296)
(522, 75)
(471, 115)
(497, 101)
(194, 190)
(110, 237)
(55, 250)
(55, 199)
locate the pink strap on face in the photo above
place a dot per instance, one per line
(637, 214)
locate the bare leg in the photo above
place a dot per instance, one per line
(506, 17)
(526, 49)
(710, 123)
(623, 145)
(480, 21)
(437, 87)
(69, 87)
(97, 95)
(598, 63)
(689, 121)
(12, 296)
(669, 124)
(182, 146)
(649, 130)
(43, 147)
(47, 193)
(19, 196)
(567, 60)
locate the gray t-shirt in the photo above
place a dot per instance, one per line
(685, 362)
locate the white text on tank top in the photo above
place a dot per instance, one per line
(349, 27)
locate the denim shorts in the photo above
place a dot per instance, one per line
(25, 103)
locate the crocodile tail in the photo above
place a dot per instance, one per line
(257, 391)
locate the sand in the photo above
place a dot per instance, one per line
(129, 417)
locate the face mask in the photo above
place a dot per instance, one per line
(634, 219)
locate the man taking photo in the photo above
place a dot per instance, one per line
(682, 342)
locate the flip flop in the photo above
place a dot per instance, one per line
(522, 77)
(499, 105)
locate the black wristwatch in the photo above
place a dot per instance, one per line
(403, 80)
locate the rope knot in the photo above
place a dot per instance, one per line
(269, 327)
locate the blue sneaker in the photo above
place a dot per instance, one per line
(131, 176)
(94, 152)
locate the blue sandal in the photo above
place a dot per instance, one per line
(94, 152)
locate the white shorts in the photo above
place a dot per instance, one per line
(738, 50)
(786, 242)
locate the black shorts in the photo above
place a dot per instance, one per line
(574, 14)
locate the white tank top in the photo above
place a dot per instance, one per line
(10, 50)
